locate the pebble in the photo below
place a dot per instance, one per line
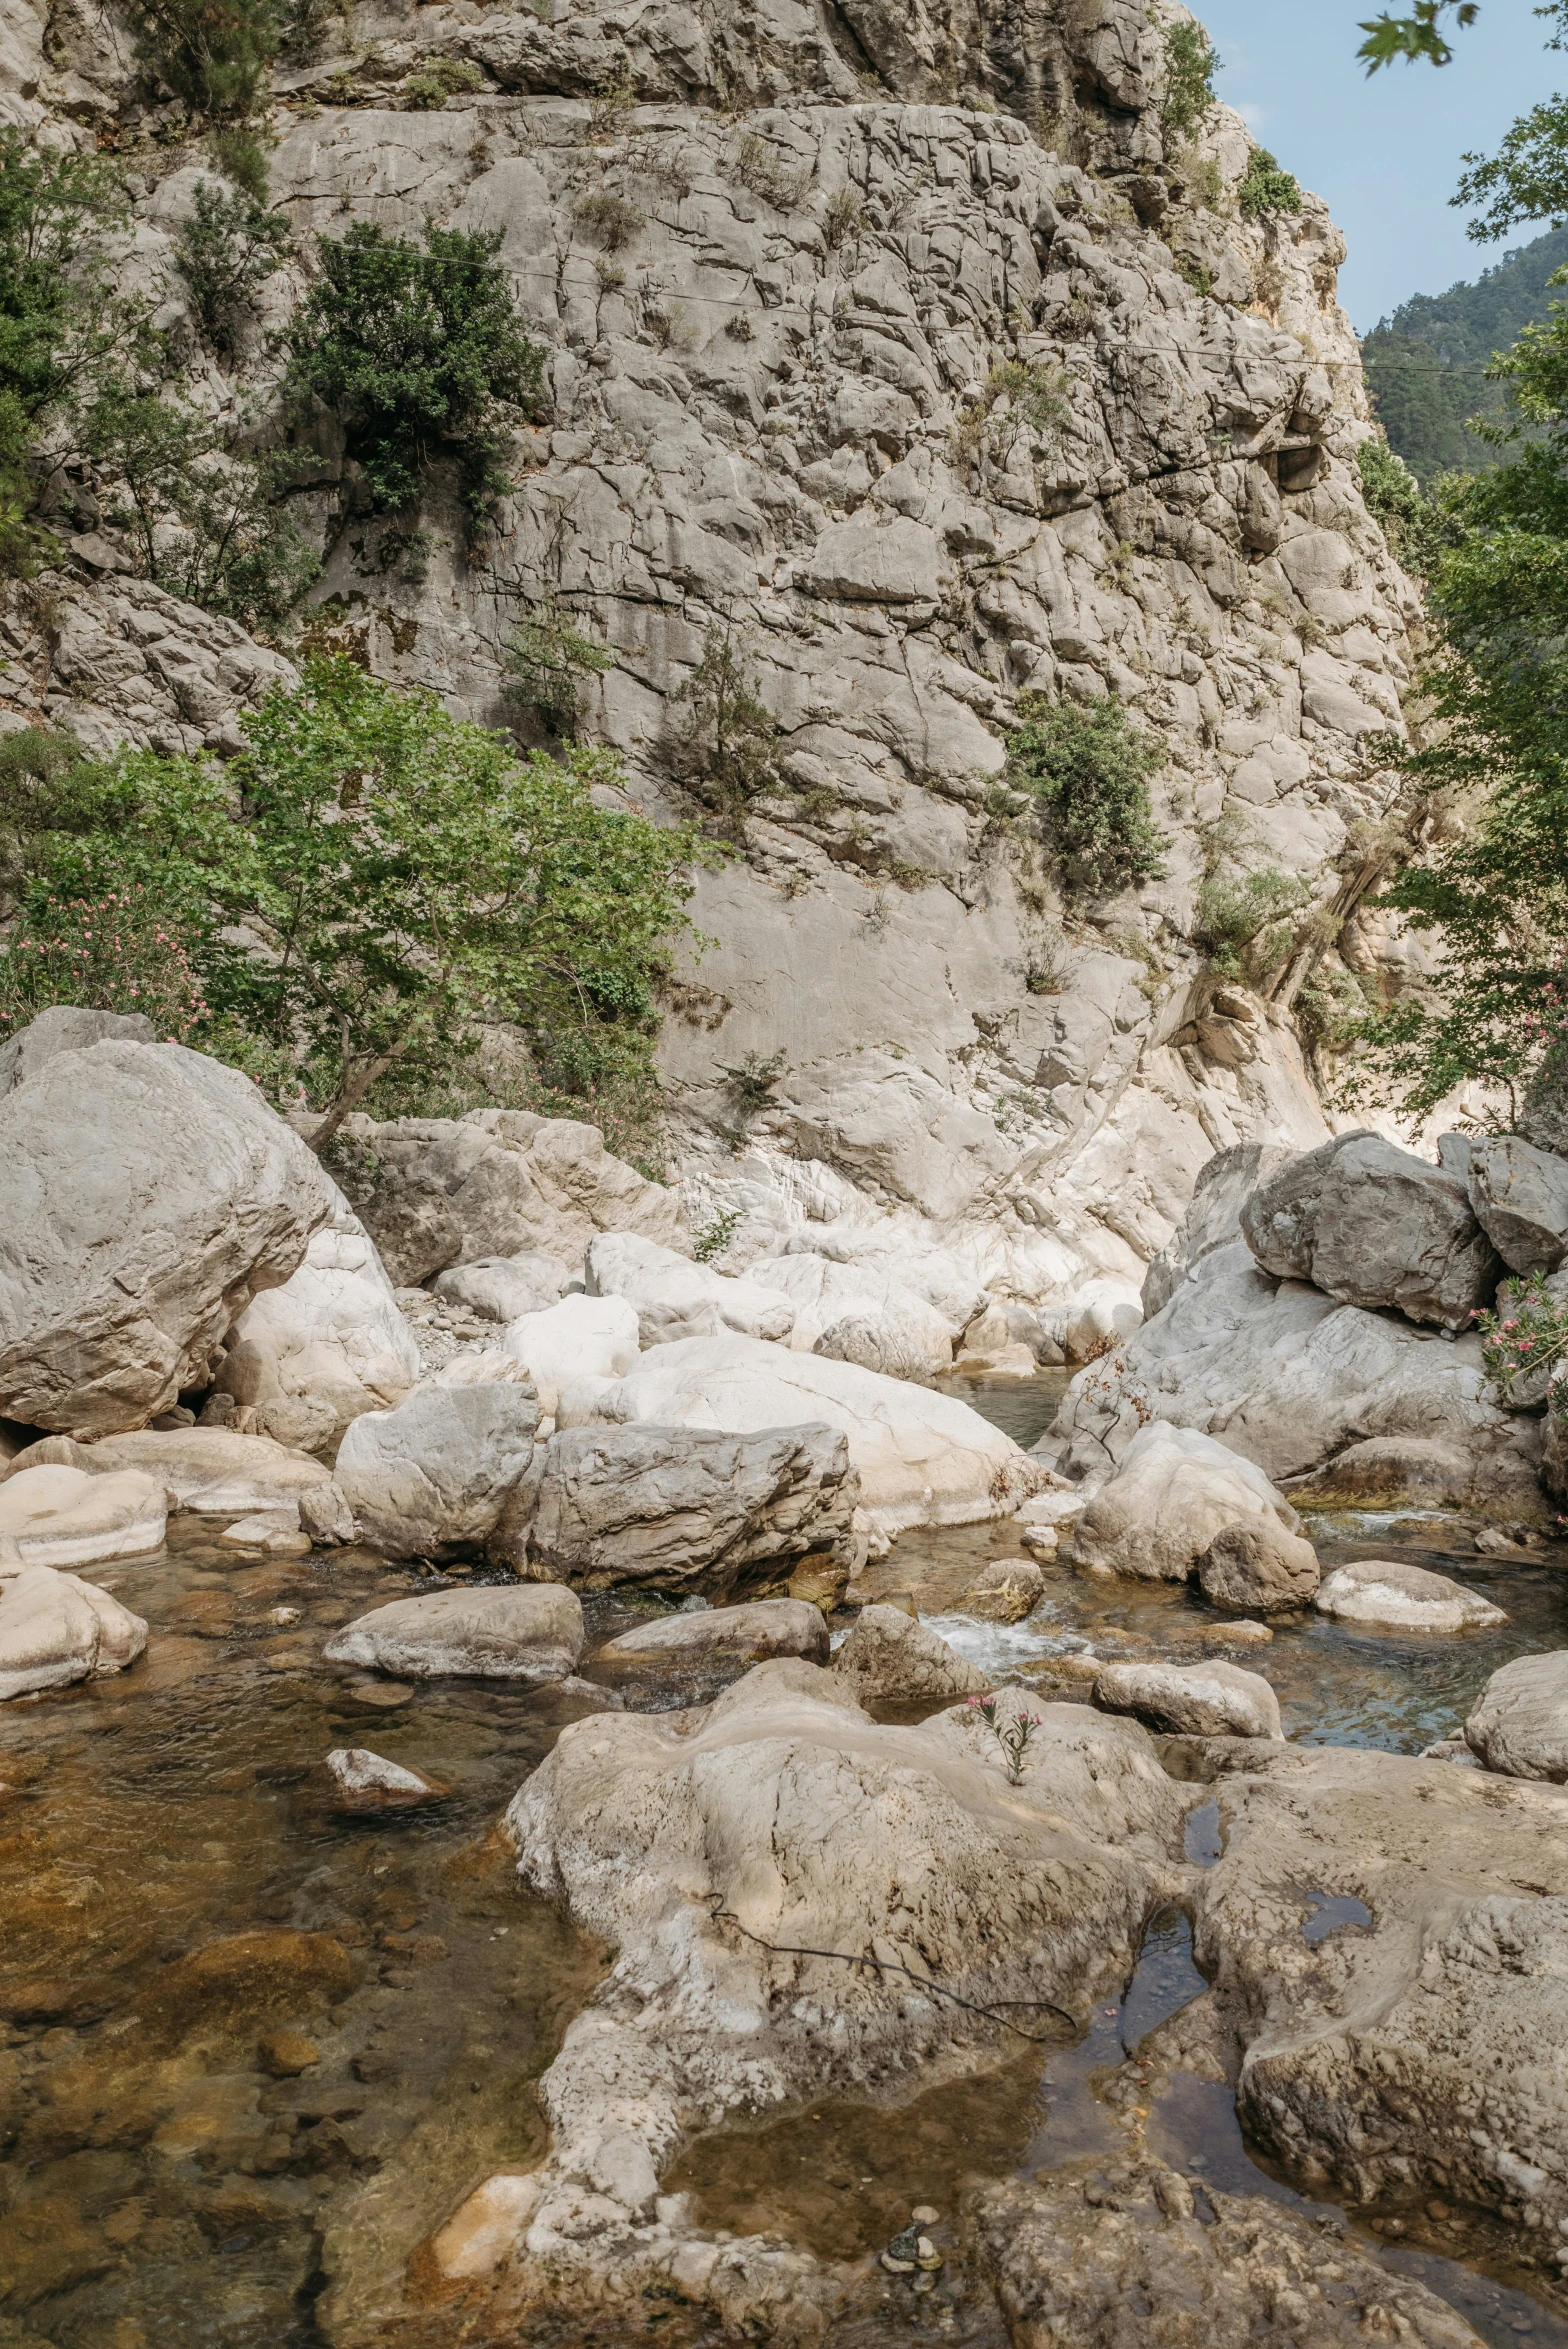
(383, 1696)
(924, 2215)
(286, 2053)
(283, 1617)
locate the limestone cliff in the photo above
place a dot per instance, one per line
(924, 359)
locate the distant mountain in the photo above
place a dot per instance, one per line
(1426, 363)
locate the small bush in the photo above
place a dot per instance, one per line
(418, 352)
(1420, 526)
(1191, 62)
(213, 55)
(726, 745)
(841, 217)
(758, 167)
(1199, 278)
(118, 952)
(225, 250)
(1088, 772)
(440, 78)
(1036, 398)
(714, 1237)
(547, 663)
(1245, 920)
(1266, 190)
(241, 157)
(1527, 1333)
(610, 111)
(609, 219)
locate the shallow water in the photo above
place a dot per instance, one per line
(165, 2183)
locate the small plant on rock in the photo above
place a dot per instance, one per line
(1088, 771)
(1245, 920)
(1528, 1332)
(440, 78)
(610, 110)
(1267, 191)
(1014, 1733)
(213, 55)
(609, 219)
(726, 744)
(715, 1235)
(841, 217)
(548, 663)
(757, 166)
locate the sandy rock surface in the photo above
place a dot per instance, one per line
(1386, 1592)
(532, 1633)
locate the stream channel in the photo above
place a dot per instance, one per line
(252, 2052)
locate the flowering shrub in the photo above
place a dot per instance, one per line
(1014, 1734)
(110, 953)
(1527, 1333)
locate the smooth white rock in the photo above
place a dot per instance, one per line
(55, 1629)
(62, 1516)
(582, 1337)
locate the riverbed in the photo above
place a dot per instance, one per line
(254, 2051)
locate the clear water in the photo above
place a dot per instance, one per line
(164, 2185)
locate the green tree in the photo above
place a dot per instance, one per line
(1191, 62)
(1088, 772)
(1420, 34)
(548, 662)
(419, 351)
(225, 250)
(213, 55)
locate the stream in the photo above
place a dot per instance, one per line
(241, 2149)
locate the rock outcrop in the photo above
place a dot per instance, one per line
(430, 1479)
(146, 1193)
(1171, 1493)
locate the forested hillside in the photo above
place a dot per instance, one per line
(1426, 364)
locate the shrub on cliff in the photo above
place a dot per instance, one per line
(367, 886)
(1088, 772)
(418, 349)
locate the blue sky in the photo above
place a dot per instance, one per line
(1386, 152)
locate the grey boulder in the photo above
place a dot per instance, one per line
(1211, 1699)
(1172, 1491)
(1259, 1565)
(891, 1657)
(688, 1508)
(146, 1193)
(1520, 1197)
(1213, 1219)
(1518, 1725)
(432, 1477)
(1373, 1225)
(1390, 1595)
(502, 1288)
(530, 1632)
(66, 1028)
(764, 1628)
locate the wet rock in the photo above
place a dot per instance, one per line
(891, 1656)
(1172, 1491)
(1072, 2251)
(55, 1629)
(1376, 1226)
(1005, 1591)
(366, 1782)
(277, 1531)
(504, 1288)
(286, 2053)
(432, 1477)
(326, 1516)
(675, 1298)
(684, 1508)
(789, 1818)
(1520, 1198)
(1212, 1699)
(325, 1346)
(1385, 1938)
(1451, 1749)
(923, 1458)
(581, 1338)
(1258, 1565)
(529, 1633)
(61, 1516)
(766, 1627)
(1281, 1374)
(1387, 1593)
(146, 1194)
(1213, 1220)
(499, 1182)
(1519, 1722)
(232, 1982)
(1388, 1470)
(207, 1471)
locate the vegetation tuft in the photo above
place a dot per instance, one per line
(1088, 773)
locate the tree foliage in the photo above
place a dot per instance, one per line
(548, 662)
(1266, 191)
(724, 744)
(1191, 62)
(1421, 34)
(418, 349)
(370, 882)
(213, 55)
(227, 247)
(1088, 772)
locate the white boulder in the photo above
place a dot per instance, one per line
(924, 1458)
(754, 1631)
(530, 1632)
(1212, 1699)
(581, 1337)
(676, 1298)
(60, 1516)
(1518, 1724)
(332, 1332)
(893, 1657)
(433, 1476)
(208, 1471)
(867, 1294)
(503, 1288)
(1387, 1594)
(146, 1194)
(55, 1628)
(1172, 1491)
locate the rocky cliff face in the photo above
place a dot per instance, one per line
(920, 358)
